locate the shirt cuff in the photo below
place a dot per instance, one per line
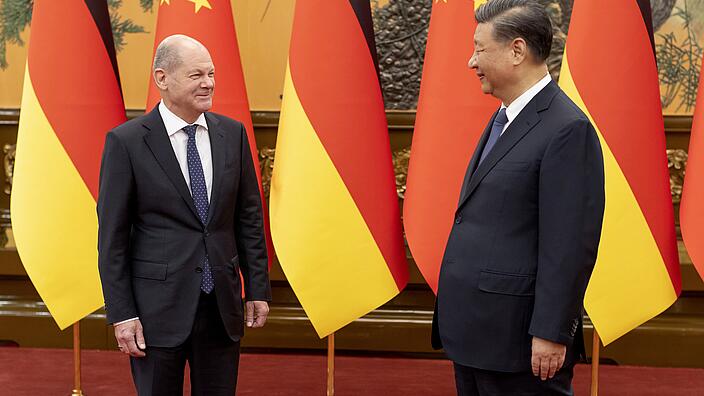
(125, 321)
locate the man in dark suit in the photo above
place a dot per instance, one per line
(180, 219)
(528, 222)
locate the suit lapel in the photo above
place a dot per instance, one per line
(526, 120)
(217, 148)
(158, 141)
(475, 157)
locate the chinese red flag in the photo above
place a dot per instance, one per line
(452, 114)
(692, 204)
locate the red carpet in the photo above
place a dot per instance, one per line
(39, 372)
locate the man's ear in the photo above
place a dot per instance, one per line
(520, 50)
(160, 78)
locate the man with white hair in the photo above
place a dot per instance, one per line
(180, 219)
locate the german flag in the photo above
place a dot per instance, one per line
(692, 204)
(334, 210)
(211, 22)
(612, 76)
(71, 98)
(452, 113)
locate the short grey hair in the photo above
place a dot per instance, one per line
(167, 55)
(526, 19)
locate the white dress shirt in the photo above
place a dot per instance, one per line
(179, 140)
(520, 103)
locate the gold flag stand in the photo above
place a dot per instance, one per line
(331, 365)
(77, 360)
(596, 344)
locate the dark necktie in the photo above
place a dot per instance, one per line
(495, 133)
(199, 191)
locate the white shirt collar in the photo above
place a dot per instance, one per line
(174, 123)
(517, 105)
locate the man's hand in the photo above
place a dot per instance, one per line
(130, 338)
(257, 312)
(547, 357)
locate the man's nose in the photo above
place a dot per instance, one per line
(472, 63)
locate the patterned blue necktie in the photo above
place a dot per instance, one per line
(199, 191)
(495, 133)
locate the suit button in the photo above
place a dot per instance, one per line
(199, 270)
(458, 219)
(207, 233)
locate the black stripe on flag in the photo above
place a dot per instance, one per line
(99, 10)
(364, 15)
(647, 15)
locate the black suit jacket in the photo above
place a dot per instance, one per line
(152, 243)
(525, 239)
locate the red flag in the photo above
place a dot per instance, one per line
(452, 113)
(211, 23)
(692, 204)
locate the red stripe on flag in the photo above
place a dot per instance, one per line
(341, 96)
(616, 75)
(75, 82)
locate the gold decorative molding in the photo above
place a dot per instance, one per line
(400, 160)
(9, 165)
(266, 165)
(676, 163)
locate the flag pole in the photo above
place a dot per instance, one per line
(596, 343)
(77, 360)
(331, 365)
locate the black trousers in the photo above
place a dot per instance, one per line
(476, 382)
(211, 354)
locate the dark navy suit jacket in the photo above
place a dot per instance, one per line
(152, 243)
(525, 239)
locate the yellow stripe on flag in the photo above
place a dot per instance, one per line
(54, 219)
(630, 283)
(323, 243)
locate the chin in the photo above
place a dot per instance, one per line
(205, 106)
(486, 88)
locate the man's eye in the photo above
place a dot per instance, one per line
(194, 76)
